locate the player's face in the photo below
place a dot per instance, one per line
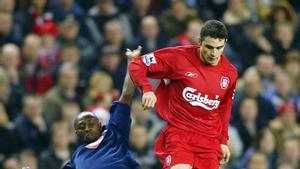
(88, 128)
(211, 50)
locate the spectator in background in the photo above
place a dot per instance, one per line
(32, 77)
(141, 147)
(190, 36)
(266, 67)
(282, 92)
(9, 96)
(147, 118)
(140, 9)
(250, 86)
(281, 12)
(208, 9)
(283, 40)
(292, 67)
(10, 32)
(69, 113)
(265, 143)
(11, 163)
(291, 152)
(285, 165)
(28, 159)
(70, 54)
(10, 59)
(68, 34)
(63, 8)
(7, 6)
(235, 146)
(258, 160)
(36, 13)
(110, 62)
(248, 125)
(59, 152)
(102, 12)
(114, 36)
(32, 127)
(49, 53)
(252, 42)
(236, 13)
(285, 125)
(150, 37)
(8, 142)
(64, 91)
(100, 91)
(177, 14)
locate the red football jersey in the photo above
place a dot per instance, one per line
(193, 96)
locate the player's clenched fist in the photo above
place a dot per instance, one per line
(226, 154)
(133, 54)
(148, 100)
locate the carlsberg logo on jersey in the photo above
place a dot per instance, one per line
(198, 99)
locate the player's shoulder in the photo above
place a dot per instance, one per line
(78, 150)
(230, 68)
(178, 49)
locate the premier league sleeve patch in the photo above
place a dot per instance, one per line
(149, 59)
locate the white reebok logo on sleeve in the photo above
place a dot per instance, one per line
(149, 59)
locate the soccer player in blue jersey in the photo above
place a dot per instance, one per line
(106, 147)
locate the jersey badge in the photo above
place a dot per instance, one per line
(149, 59)
(224, 83)
(168, 160)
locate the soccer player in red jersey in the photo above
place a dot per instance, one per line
(195, 98)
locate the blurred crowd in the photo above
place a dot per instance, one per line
(60, 57)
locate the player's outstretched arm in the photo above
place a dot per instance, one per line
(128, 86)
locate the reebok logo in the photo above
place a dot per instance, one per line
(191, 74)
(198, 99)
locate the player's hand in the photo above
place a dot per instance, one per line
(148, 100)
(133, 54)
(226, 154)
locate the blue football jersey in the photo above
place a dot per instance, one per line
(111, 150)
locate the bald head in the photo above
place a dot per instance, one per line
(87, 127)
(31, 47)
(113, 32)
(82, 115)
(11, 49)
(10, 55)
(149, 27)
(252, 83)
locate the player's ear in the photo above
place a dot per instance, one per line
(100, 125)
(199, 40)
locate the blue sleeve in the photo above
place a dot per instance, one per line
(69, 165)
(120, 117)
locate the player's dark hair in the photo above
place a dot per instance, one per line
(214, 29)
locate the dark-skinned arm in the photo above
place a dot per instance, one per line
(128, 86)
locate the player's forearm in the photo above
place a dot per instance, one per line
(224, 117)
(128, 90)
(138, 74)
